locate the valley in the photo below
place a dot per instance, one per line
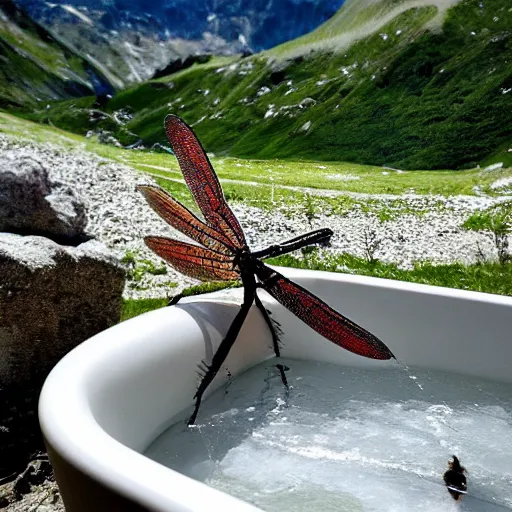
(406, 96)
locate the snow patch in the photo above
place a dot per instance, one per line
(343, 177)
(270, 112)
(200, 120)
(77, 13)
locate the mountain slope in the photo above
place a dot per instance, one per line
(132, 39)
(37, 67)
(423, 91)
(357, 20)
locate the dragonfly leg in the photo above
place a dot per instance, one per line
(272, 325)
(282, 369)
(222, 353)
(174, 300)
(275, 330)
(194, 291)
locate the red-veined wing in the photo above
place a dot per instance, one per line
(192, 260)
(321, 317)
(179, 217)
(202, 180)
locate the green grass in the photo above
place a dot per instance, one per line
(488, 277)
(334, 176)
(135, 307)
(484, 277)
(209, 287)
(137, 268)
(345, 27)
(345, 178)
(215, 62)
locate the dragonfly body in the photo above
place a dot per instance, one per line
(223, 255)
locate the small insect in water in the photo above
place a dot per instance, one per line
(455, 479)
(225, 256)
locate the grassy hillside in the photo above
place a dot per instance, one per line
(427, 87)
(349, 185)
(357, 20)
(35, 67)
(248, 182)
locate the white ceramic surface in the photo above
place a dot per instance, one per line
(110, 397)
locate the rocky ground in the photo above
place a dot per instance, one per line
(41, 498)
(119, 216)
(34, 490)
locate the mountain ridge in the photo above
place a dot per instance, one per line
(407, 96)
(357, 20)
(131, 40)
(37, 66)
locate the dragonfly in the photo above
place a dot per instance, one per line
(221, 253)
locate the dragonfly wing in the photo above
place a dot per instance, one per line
(202, 180)
(182, 219)
(192, 260)
(321, 317)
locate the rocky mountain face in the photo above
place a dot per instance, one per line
(35, 66)
(130, 40)
(398, 84)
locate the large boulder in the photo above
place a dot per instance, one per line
(51, 299)
(31, 204)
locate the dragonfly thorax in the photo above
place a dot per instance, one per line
(243, 259)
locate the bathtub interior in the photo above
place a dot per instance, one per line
(157, 379)
(130, 383)
(136, 393)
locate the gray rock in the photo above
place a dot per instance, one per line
(30, 203)
(306, 126)
(52, 298)
(107, 137)
(307, 102)
(44, 497)
(494, 167)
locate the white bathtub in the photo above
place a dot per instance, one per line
(110, 397)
